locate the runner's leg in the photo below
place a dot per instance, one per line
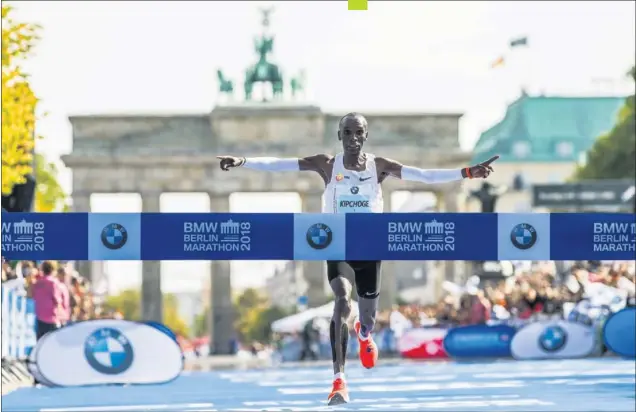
(337, 273)
(367, 279)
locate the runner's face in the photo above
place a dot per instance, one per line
(353, 134)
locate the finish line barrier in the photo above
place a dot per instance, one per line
(287, 236)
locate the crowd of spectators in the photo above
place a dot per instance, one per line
(540, 292)
(60, 293)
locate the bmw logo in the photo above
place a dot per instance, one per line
(553, 339)
(319, 236)
(355, 190)
(108, 351)
(523, 236)
(114, 236)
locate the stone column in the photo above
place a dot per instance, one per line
(82, 204)
(151, 295)
(388, 291)
(221, 310)
(314, 272)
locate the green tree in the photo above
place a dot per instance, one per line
(18, 101)
(200, 327)
(49, 195)
(128, 302)
(255, 316)
(613, 155)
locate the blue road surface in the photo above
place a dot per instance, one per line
(604, 384)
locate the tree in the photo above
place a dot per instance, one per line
(49, 195)
(613, 155)
(128, 302)
(255, 316)
(18, 101)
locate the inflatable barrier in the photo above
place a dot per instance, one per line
(619, 333)
(423, 343)
(106, 351)
(476, 341)
(554, 340)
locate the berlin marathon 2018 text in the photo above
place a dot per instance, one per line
(614, 237)
(22, 236)
(227, 236)
(430, 236)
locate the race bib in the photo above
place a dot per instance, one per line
(354, 204)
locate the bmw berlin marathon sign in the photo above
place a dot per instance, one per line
(433, 236)
(229, 236)
(22, 236)
(614, 237)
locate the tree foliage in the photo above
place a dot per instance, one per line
(613, 155)
(128, 303)
(255, 316)
(18, 101)
(49, 194)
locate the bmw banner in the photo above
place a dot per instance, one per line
(619, 333)
(523, 236)
(422, 236)
(286, 236)
(606, 236)
(217, 236)
(106, 351)
(114, 236)
(319, 236)
(37, 236)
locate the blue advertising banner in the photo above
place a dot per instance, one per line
(286, 236)
(619, 333)
(41, 236)
(479, 341)
(217, 236)
(599, 236)
(422, 236)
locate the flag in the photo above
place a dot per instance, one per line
(520, 41)
(498, 63)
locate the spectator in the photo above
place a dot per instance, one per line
(49, 299)
(65, 310)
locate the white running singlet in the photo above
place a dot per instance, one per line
(350, 191)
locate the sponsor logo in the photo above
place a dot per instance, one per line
(114, 236)
(339, 177)
(364, 179)
(553, 338)
(108, 351)
(319, 236)
(523, 236)
(355, 190)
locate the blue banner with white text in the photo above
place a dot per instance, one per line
(286, 236)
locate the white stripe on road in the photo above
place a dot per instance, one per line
(361, 380)
(406, 388)
(123, 408)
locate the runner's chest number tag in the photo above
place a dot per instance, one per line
(354, 204)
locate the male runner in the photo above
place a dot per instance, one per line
(353, 185)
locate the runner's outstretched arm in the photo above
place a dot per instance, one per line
(388, 167)
(274, 164)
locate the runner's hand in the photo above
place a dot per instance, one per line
(227, 162)
(483, 169)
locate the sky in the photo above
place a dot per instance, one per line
(161, 57)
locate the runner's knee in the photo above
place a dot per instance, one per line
(342, 308)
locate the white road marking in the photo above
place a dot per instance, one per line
(362, 380)
(117, 408)
(406, 388)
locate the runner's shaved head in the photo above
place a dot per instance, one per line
(353, 115)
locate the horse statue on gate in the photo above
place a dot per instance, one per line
(264, 71)
(226, 86)
(297, 85)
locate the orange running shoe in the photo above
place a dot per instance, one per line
(339, 393)
(368, 349)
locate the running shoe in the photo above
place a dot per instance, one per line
(339, 394)
(368, 349)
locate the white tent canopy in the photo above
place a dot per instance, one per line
(295, 323)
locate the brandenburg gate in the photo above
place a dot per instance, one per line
(151, 155)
